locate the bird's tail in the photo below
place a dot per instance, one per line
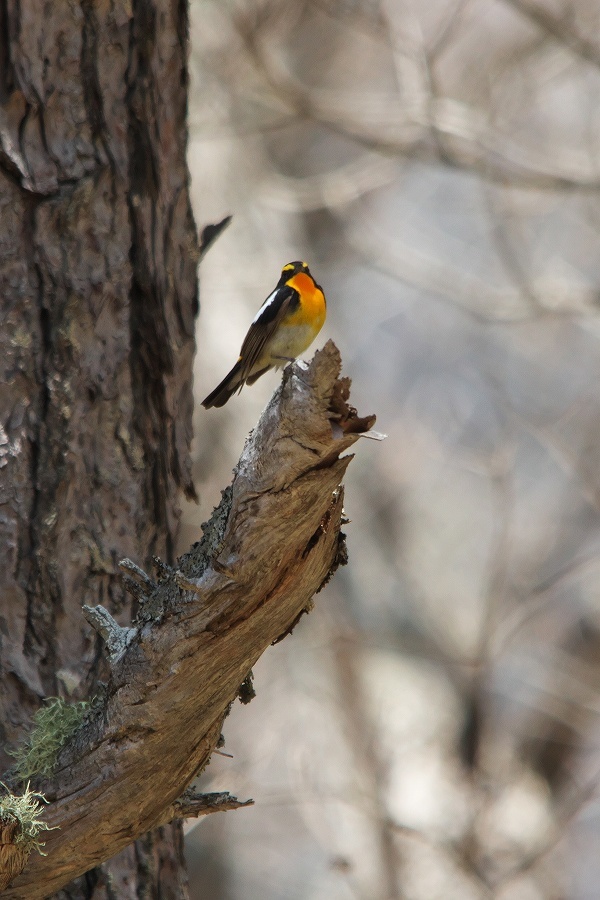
(226, 388)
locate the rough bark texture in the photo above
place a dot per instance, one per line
(272, 542)
(98, 300)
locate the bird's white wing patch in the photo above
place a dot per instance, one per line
(265, 305)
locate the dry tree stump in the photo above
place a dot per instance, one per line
(271, 544)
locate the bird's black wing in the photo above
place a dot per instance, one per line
(268, 320)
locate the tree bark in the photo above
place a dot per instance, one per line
(98, 298)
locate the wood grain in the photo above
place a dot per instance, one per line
(271, 544)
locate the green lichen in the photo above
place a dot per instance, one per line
(53, 726)
(24, 810)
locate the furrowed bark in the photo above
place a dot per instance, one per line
(98, 299)
(271, 544)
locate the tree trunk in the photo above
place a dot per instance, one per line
(98, 296)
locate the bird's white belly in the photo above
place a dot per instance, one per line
(288, 343)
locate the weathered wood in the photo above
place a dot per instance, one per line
(192, 805)
(270, 545)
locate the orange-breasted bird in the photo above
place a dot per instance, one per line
(285, 325)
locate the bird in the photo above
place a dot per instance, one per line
(284, 327)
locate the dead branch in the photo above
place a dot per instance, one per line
(270, 545)
(192, 805)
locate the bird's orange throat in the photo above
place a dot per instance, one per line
(313, 307)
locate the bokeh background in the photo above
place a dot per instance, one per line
(431, 730)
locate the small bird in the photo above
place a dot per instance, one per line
(285, 325)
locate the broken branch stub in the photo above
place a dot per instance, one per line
(272, 542)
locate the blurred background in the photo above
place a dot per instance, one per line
(431, 730)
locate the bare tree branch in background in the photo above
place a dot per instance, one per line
(441, 161)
